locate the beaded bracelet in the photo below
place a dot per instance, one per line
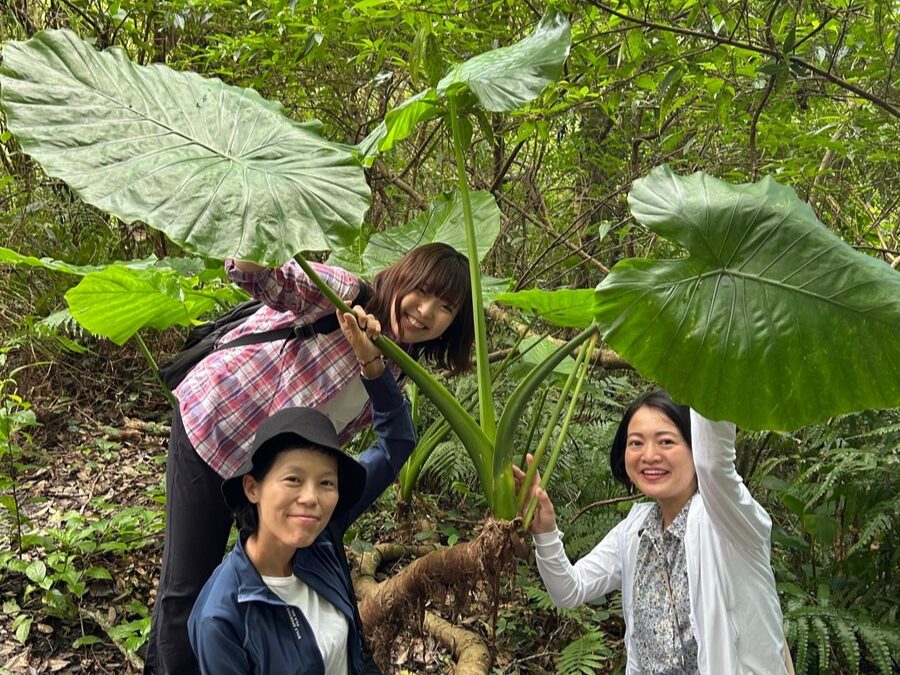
(363, 364)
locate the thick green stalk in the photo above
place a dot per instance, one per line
(532, 425)
(583, 369)
(470, 434)
(485, 394)
(518, 401)
(504, 504)
(538, 454)
(432, 437)
(413, 467)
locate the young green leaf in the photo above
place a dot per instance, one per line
(508, 78)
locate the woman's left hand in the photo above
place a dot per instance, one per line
(360, 329)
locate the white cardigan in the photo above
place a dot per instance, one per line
(735, 614)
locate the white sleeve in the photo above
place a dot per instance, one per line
(592, 577)
(731, 508)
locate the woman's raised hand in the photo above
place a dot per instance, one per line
(360, 329)
(544, 516)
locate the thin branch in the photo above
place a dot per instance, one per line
(603, 502)
(385, 173)
(754, 159)
(759, 49)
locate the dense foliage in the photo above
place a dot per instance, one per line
(803, 91)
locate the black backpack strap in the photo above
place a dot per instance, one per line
(329, 323)
(322, 326)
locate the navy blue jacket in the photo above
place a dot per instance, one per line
(238, 625)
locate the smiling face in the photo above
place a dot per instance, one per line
(423, 317)
(294, 500)
(659, 461)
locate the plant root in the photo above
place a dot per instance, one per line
(386, 608)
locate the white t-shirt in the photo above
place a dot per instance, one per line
(345, 406)
(327, 623)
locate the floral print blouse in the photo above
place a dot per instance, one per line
(663, 635)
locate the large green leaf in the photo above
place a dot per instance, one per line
(772, 322)
(118, 299)
(569, 308)
(398, 124)
(507, 78)
(117, 302)
(184, 266)
(442, 222)
(219, 169)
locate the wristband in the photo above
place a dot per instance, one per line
(363, 364)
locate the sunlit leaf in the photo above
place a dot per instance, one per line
(569, 308)
(117, 302)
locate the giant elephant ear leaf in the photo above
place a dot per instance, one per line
(442, 222)
(508, 78)
(219, 169)
(764, 323)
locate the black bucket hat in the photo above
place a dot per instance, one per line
(308, 427)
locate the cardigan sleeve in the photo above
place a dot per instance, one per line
(592, 577)
(289, 289)
(732, 510)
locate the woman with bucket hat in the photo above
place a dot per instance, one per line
(423, 301)
(282, 600)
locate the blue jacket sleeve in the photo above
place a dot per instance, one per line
(218, 649)
(395, 440)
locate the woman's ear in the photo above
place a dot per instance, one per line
(251, 488)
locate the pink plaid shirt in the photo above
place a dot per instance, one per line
(226, 396)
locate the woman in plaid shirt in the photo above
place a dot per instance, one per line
(424, 300)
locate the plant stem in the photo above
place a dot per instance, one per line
(538, 454)
(485, 395)
(147, 355)
(505, 503)
(583, 369)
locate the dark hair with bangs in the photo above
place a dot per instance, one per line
(437, 269)
(680, 415)
(247, 515)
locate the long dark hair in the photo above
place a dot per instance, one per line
(436, 269)
(680, 415)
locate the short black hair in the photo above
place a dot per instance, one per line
(247, 514)
(680, 415)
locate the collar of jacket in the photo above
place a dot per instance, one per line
(319, 568)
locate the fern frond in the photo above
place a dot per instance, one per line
(585, 656)
(823, 642)
(540, 599)
(449, 463)
(846, 639)
(878, 643)
(878, 527)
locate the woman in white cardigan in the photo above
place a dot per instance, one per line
(693, 565)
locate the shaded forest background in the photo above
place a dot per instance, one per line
(807, 92)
